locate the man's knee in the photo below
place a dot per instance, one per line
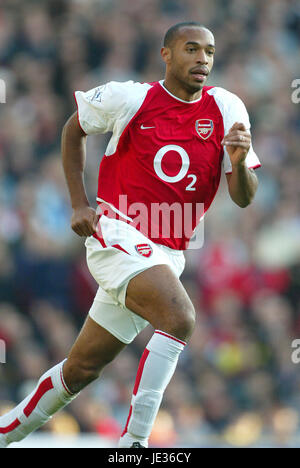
(182, 322)
(78, 373)
(177, 317)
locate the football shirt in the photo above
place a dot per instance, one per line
(162, 166)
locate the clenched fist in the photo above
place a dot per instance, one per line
(84, 221)
(237, 142)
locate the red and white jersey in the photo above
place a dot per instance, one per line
(162, 166)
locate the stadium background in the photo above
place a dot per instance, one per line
(236, 384)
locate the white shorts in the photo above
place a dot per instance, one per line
(123, 253)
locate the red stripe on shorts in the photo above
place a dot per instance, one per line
(98, 235)
(100, 239)
(117, 246)
(44, 387)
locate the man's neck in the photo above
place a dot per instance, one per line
(180, 92)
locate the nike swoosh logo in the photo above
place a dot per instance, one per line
(145, 128)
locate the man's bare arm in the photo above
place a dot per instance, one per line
(242, 185)
(242, 182)
(73, 146)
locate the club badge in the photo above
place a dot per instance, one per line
(144, 249)
(204, 128)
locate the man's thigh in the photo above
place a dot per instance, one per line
(158, 296)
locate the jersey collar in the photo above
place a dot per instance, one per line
(161, 82)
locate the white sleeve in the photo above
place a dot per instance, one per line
(237, 112)
(100, 107)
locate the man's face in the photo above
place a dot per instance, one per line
(190, 57)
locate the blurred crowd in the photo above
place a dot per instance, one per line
(236, 383)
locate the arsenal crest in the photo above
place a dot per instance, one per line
(144, 249)
(204, 128)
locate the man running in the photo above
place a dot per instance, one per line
(170, 142)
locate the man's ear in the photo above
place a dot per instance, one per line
(166, 54)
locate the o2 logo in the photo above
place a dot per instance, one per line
(185, 165)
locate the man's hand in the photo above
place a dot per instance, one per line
(84, 221)
(237, 142)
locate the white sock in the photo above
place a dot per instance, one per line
(50, 395)
(156, 368)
